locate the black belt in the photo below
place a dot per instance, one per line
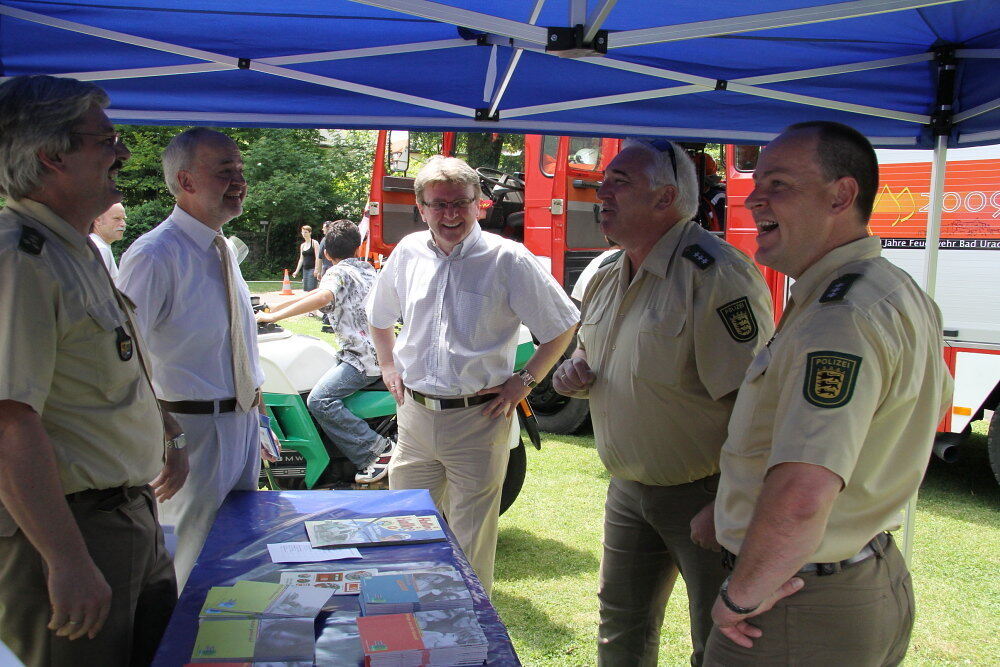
(107, 499)
(199, 407)
(434, 403)
(875, 546)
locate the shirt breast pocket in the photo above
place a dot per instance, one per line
(108, 343)
(660, 348)
(472, 320)
(586, 333)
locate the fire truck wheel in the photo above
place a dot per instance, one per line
(993, 443)
(512, 483)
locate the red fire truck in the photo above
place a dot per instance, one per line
(548, 201)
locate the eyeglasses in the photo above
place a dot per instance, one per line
(664, 146)
(111, 138)
(442, 206)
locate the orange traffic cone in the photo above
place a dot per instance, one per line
(286, 285)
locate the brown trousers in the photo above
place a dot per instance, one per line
(126, 544)
(647, 542)
(860, 616)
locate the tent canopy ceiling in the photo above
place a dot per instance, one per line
(687, 69)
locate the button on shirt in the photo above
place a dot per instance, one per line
(666, 364)
(60, 354)
(856, 384)
(174, 276)
(461, 312)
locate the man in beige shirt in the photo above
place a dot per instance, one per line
(668, 329)
(833, 426)
(84, 576)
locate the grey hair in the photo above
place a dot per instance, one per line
(180, 152)
(660, 173)
(441, 169)
(38, 114)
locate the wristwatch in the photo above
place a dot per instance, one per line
(527, 378)
(733, 607)
(178, 442)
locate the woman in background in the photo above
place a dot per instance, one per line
(308, 257)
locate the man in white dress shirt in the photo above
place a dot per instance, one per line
(108, 228)
(462, 294)
(177, 276)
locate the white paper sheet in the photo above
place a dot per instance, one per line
(302, 552)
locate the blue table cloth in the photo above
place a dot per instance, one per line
(248, 521)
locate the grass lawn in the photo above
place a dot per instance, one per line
(549, 551)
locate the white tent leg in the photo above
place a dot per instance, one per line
(938, 167)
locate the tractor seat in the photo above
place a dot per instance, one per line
(377, 385)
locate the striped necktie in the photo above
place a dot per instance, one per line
(246, 391)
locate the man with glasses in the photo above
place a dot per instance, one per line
(668, 329)
(462, 294)
(84, 575)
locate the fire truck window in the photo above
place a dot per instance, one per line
(418, 148)
(584, 152)
(746, 157)
(550, 146)
(493, 150)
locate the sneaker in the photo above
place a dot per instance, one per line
(379, 467)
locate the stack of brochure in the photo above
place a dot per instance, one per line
(259, 621)
(375, 531)
(403, 592)
(445, 637)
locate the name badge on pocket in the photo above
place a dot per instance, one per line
(124, 344)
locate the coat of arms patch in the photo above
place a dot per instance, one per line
(830, 378)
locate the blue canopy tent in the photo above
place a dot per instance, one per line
(907, 73)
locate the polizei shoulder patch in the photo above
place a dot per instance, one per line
(739, 319)
(839, 288)
(32, 240)
(699, 256)
(830, 378)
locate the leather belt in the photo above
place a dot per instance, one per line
(200, 407)
(435, 403)
(205, 407)
(106, 499)
(875, 546)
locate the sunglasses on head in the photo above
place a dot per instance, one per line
(664, 146)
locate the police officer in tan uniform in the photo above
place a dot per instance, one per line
(668, 329)
(84, 576)
(833, 426)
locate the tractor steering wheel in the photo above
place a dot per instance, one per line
(497, 178)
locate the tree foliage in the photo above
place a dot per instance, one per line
(294, 177)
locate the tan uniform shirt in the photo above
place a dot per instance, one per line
(67, 350)
(853, 381)
(668, 351)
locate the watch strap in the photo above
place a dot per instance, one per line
(733, 607)
(527, 378)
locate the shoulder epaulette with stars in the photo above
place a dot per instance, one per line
(610, 259)
(32, 240)
(839, 288)
(699, 256)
